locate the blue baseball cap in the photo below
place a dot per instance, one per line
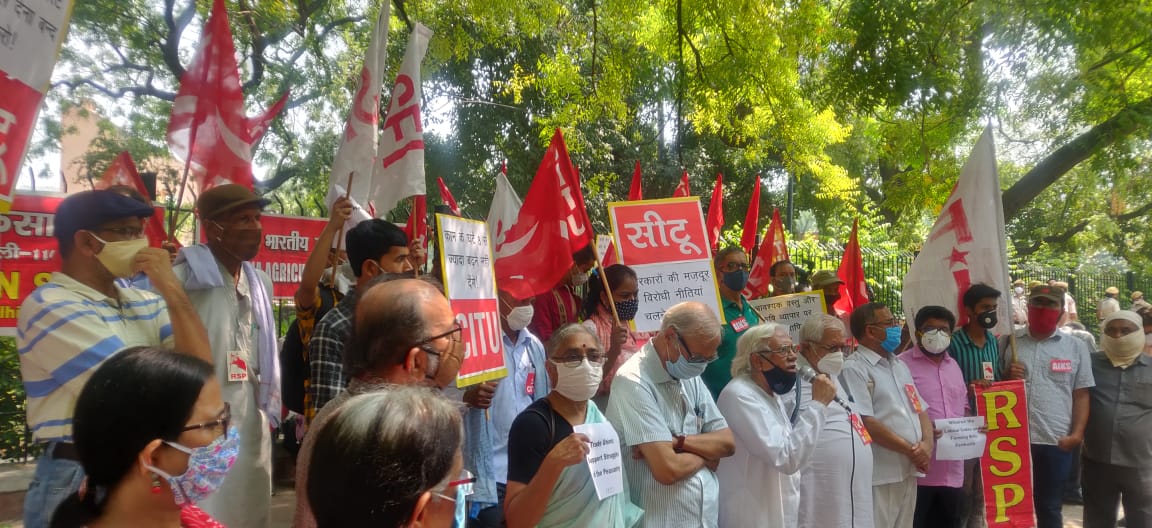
(89, 210)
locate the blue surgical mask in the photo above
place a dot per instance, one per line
(683, 369)
(891, 339)
(735, 280)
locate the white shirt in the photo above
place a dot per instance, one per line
(760, 483)
(882, 388)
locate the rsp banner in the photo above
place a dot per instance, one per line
(1007, 462)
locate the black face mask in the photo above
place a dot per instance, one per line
(779, 380)
(987, 319)
(626, 310)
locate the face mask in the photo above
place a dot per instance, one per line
(779, 380)
(578, 383)
(735, 280)
(627, 309)
(460, 520)
(786, 285)
(935, 341)
(1043, 321)
(520, 317)
(579, 278)
(207, 467)
(117, 256)
(891, 339)
(987, 319)
(831, 364)
(1019, 290)
(682, 369)
(1122, 350)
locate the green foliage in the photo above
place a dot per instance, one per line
(13, 442)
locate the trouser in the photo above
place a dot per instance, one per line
(1072, 488)
(1050, 467)
(1106, 485)
(894, 505)
(53, 481)
(492, 516)
(973, 515)
(939, 507)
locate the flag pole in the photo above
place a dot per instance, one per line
(607, 290)
(340, 239)
(183, 184)
(415, 270)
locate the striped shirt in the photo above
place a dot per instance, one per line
(65, 330)
(971, 358)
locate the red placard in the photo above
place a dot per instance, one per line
(1007, 462)
(483, 347)
(17, 116)
(28, 252)
(660, 231)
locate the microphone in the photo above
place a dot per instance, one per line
(808, 374)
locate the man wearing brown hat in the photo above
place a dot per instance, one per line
(1138, 302)
(828, 282)
(233, 299)
(1058, 376)
(1109, 304)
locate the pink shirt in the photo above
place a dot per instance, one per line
(942, 387)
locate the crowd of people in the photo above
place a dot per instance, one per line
(154, 383)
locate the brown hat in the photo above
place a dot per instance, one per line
(1137, 295)
(1112, 290)
(824, 278)
(224, 198)
(1018, 282)
(1054, 293)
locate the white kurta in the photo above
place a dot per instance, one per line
(760, 483)
(244, 500)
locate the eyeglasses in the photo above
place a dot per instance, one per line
(736, 266)
(222, 421)
(131, 233)
(463, 483)
(456, 334)
(693, 358)
(574, 360)
(890, 322)
(828, 349)
(785, 350)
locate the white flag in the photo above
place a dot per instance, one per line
(358, 148)
(966, 245)
(399, 170)
(504, 210)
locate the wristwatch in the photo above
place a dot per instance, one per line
(678, 445)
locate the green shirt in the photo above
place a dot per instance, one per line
(719, 372)
(972, 358)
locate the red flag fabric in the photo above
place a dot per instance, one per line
(682, 189)
(552, 225)
(208, 129)
(773, 249)
(751, 220)
(123, 171)
(854, 290)
(417, 226)
(635, 191)
(715, 221)
(446, 197)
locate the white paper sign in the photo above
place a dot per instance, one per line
(789, 310)
(603, 242)
(604, 461)
(962, 439)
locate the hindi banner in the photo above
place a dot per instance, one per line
(288, 241)
(790, 310)
(470, 284)
(1007, 462)
(28, 252)
(664, 242)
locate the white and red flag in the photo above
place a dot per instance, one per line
(773, 249)
(123, 171)
(504, 210)
(636, 190)
(446, 197)
(751, 220)
(682, 189)
(208, 129)
(966, 245)
(399, 170)
(715, 220)
(854, 290)
(552, 225)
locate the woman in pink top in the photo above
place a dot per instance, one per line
(597, 315)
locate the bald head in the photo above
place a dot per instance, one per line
(692, 319)
(391, 316)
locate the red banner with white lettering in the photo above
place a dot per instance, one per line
(1007, 462)
(28, 252)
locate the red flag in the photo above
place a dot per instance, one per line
(715, 221)
(417, 226)
(208, 129)
(854, 290)
(553, 225)
(773, 249)
(123, 171)
(446, 197)
(635, 191)
(682, 189)
(751, 220)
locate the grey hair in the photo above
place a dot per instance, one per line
(378, 453)
(814, 328)
(692, 319)
(564, 332)
(748, 342)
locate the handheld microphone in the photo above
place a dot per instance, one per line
(808, 374)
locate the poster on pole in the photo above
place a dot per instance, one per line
(664, 242)
(790, 310)
(1007, 462)
(470, 284)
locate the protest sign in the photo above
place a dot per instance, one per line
(603, 244)
(469, 282)
(28, 252)
(604, 461)
(961, 438)
(664, 242)
(1007, 462)
(288, 240)
(789, 310)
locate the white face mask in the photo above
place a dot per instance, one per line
(1122, 350)
(520, 317)
(935, 341)
(117, 256)
(578, 383)
(831, 364)
(579, 278)
(1019, 290)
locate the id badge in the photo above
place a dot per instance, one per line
(530, 384)
(237, 365)
(910, 389)
(858, 425)
(989, 374)
(739, 324)
(1061, 365)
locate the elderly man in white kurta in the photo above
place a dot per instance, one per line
(760, 484)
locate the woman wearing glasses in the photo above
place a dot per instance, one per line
(154, 438)
(621, 343)
(549, 485)
(389, 459)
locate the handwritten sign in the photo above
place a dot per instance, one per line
(604, 461)
(1007, 462)
(664, 242)
(790, 310)
(961, 439)
(469, 282)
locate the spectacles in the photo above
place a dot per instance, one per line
(693, 358)
(456, 334)
(890, 322)
(132, 233)
(574, 360)
(736, 266)
(843, 349)
(785, 350)
(463, 483)
(222, 421)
